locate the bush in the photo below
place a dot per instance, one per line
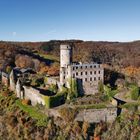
(53, 88)
(100, 87)
(73, 90)
(68, 113)
(134, 93)
(26, 102)
(109, 92)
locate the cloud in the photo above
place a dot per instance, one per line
(14, 33)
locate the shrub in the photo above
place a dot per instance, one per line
(100, 87)
(73, 90)
(109, 92)
(68, 113)
(26, 102)
(53, 88)
(134, 92)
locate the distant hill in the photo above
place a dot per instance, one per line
(114, 53)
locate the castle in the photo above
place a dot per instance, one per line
(87, 75)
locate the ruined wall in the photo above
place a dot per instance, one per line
(52, 81)
(90, 76)
(12, 79)
(97, 115)
(5, 79)
(34, 95)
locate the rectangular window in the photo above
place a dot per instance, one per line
(91, 72)
(76, 73)
(86, 73)
(73, 68)
(90, 78)
(99, 78)
(94, 66)
(86, 67)
(86, 79)
(91, 67)
(81, 73)
(94, 78)
(99, 72)
(94, 72)
(73, 75)
(81, 67)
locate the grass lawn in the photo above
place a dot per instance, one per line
(91, 106)
(130, 105)
(34, 113)
(50, 57)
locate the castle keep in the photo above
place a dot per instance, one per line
(87, 75)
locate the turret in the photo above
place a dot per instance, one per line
(65, 55)
(65, 61)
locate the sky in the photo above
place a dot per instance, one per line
(43, 20)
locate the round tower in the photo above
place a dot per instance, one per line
(65, 55)
(65, 61)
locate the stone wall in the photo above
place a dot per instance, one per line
(34, 95)
(53, 81)
(5, 79)
(97, 115)
(88, 75)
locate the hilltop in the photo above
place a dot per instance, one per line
(115, 53)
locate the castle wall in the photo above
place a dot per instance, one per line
(34, 95)
(90, 76)
(53, 81)
(97, 115)
(5, 79)
(12, 78)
